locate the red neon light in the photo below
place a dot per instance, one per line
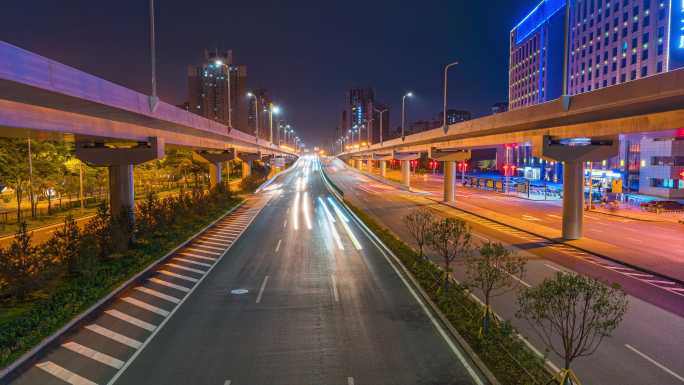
(681, 175)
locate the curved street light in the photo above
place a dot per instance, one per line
(256, 114)
(403, 112)
(445, 125)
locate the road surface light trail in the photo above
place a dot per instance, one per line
(337, 210)
(305, 210)
(344, 221)
(295, 212)
(331, 221)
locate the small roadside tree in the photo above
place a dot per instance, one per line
(419, 224)
(572, 314)
(64, 245)
(21, 265)
(494, 271)
(450, 238)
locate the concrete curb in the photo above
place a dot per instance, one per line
(453, 333)
(28, 358)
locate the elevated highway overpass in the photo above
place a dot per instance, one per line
(572, 130)
(110, 125)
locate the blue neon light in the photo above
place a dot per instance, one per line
(539, 15)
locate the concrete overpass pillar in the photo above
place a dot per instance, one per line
(383, 168)
(449, 181)
(406, 173)
(370, 166)
(573, 199)
(573, 152)
(246, 168)
(121, 189)
(215, 176)
(119, 162)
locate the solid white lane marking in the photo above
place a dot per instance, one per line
(656, 363)
(169, 284)
(227, 382)
(131, 320)
(639, 275)
(334, 287)
(285, 224)
(350, 380)
(186, 268)
(183, 277)
(261, 290)
(278, 245)
(203, 251)
(157, 294)
(94, 354)
(198, 256)
(658, 282)
(554, 216)
(192, 262)
(120, 338)
(146, 306)
(64, 374)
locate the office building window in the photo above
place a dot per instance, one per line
(632, 75)
(644, 71)
(660, 67)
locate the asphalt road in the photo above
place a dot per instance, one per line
(296, 294)
(658, 246)
(323, 307)
(645, 350)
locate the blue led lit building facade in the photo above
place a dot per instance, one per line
(616, 41)
(536, 56)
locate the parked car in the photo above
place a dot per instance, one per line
(658, 206)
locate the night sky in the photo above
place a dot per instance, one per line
(308, 53)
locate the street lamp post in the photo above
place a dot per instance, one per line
(445, 125)
(381, 112)
(153, 59)
(256, 114)
(403, 113)
(272, 109)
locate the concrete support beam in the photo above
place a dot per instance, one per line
(449, 154)
(120, 163)
(121, 189)
(406, 173)
(383, 168)
(246, 168)
(573, 153)
(573, 199)
(449, 181)
(215, 160)
(406, 155)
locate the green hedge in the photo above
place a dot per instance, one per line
(508, 358)
(26, 323)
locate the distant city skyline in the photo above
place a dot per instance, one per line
(307, 72)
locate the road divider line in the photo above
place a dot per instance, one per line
(203, 246)
(345, 224)
(169, 284)
(131, 320)
(198, 271)
(656, 363)
(157, 294)
(350, 380)
(192, 262)
(278, 245)
(203, 251)
(183, 277)
(145, 306)
(261, 290)
(120, 338)
(198, 256)
(64, 374)
(94, 354)
(334, 288)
